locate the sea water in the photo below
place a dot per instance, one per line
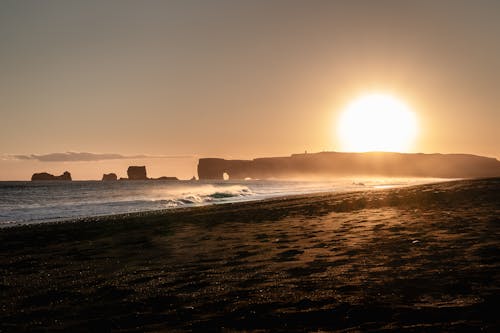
(45, 201)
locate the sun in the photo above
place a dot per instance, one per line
(377, 122)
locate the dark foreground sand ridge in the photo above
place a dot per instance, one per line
(423, 258)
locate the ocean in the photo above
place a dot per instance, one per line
(24, 202)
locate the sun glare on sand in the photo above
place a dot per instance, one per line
(377, 122)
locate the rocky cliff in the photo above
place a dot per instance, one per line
(328, 164)
(47, 176)
(137, 173)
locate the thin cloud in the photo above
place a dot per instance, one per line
(87, 157)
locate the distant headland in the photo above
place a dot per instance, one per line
(327, 164)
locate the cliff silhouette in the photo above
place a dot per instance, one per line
(327, 164)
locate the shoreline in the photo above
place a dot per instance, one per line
(422, 257)
(235, 205)
(32, 204)
(178, 210)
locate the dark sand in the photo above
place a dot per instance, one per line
(423, 258)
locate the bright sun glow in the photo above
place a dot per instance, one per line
(377, 122)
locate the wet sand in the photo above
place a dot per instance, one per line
(423, 258)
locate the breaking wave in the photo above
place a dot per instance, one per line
(208, 195)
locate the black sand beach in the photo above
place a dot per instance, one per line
(423, 258)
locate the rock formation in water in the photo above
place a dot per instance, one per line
(47, 176)
(137, 173)
(166, 178)
(109, 176)
(328, 164)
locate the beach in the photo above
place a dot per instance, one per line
(418, 258)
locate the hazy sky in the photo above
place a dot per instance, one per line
(235, 79)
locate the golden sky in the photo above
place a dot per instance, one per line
(177, 80)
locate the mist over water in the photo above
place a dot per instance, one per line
(36, 202)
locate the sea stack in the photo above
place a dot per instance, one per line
(166, 178)
(137, 173)
(47, 176)
(109, 177)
